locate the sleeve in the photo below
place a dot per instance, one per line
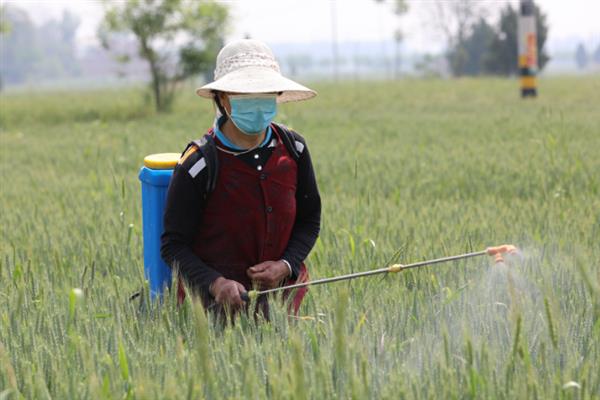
(183, 211)
(308, 211)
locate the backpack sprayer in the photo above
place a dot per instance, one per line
(497, 252)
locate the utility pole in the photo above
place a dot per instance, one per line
(334, 40)
(528, 65)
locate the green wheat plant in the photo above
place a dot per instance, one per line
(408, 170)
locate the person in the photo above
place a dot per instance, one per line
(256, 222)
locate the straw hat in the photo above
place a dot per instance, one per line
(248, 66)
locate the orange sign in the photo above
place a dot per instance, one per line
(531, 50)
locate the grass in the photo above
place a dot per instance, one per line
(422, 168)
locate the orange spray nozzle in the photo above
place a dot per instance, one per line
(505, 248)
(500, 250)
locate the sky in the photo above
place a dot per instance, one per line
(302, 21)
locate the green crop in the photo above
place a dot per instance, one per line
(408, 171)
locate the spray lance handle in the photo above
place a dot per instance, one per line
(395, 268)
(498, 252)
(247, 296)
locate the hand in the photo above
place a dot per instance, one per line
(227, 291)
(268, 274)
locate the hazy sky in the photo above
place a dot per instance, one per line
(281, 21)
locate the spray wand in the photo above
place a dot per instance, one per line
(497, 252)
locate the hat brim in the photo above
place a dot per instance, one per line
(258, 80)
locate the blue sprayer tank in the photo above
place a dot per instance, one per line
(155, 176)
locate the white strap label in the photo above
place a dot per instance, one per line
(197, 167)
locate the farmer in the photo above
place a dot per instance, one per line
(243, 208)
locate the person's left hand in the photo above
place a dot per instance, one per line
(268, 274)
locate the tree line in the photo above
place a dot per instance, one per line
(179, 39)
(28, 52)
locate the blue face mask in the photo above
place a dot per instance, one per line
(252, 114)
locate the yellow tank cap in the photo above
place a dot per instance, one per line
(161, 160)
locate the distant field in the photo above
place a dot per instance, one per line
(422, 168)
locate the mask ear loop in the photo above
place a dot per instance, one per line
(220, 107)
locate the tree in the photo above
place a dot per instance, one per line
(19, 48)
(597, 55)
(502, 57)
(474, 50)
(4, 24)
(400, 7)
(581, 56)
(30, 52)
(4, 29)
(455, 20)
(58, 46)
(177, 38)
(68, 30)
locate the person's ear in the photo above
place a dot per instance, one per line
(224, 100)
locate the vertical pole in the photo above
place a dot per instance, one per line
(334, 41)
(527, 49)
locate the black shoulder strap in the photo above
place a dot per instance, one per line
(208, 148)
(288, 139)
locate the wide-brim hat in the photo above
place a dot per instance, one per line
(248, 66)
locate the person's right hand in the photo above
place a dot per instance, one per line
(227, 291)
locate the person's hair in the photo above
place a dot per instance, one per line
(218, 103)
